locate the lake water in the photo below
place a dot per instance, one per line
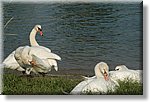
(83, 34)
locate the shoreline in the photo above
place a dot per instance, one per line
(62, 72)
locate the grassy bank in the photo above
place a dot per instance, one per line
(51, 85)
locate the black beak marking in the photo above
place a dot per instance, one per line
(39, 29)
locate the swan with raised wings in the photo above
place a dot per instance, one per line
(10, 61)
(36, 59)
(99, 85)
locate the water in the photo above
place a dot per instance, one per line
(83, 34)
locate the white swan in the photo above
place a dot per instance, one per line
(101, 84)
(124, 74)
(10, 62)
(36, 59)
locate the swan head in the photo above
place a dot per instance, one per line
(38, 28)
(121, 68)
(101, 69)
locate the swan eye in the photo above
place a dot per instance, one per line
(117, 69)
(39, 29)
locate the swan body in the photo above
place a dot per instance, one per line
(123, 73)
(101, 83)
(36, 59)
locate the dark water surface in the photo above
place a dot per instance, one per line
(83, 34)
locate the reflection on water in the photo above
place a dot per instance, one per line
(83, 34)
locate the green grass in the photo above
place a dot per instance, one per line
(129, 88)
(14, 84)
(53, 85)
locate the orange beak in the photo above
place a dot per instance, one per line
(106, 75)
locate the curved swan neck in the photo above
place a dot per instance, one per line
(33, 41)
(98, 72)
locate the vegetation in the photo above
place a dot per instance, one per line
(56, 85)
(129, 88)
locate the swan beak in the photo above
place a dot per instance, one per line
(106, 75)
(41, 33)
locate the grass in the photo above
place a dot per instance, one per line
(14, 84)
(129, 88)
(53, 85)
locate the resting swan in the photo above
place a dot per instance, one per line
(101, 84)
(10, 62)
(124, 74)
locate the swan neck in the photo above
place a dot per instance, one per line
(33, 41)
(98, 72)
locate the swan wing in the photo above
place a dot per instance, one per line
(136, 75)
(119, 75)
(96, 86)
(79, 88)
(11, 63)
(18, 52)
(10, 58)
(125, 75)
(25, 57)
(53, 56)
(43, 54)
(47, 49)
(21, 56)
(44, 65)
(100, 86)
(39, 62)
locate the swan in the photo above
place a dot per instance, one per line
(124, 74)
(101, 84)
(36, 59)
(10, 62)
(124, 68)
